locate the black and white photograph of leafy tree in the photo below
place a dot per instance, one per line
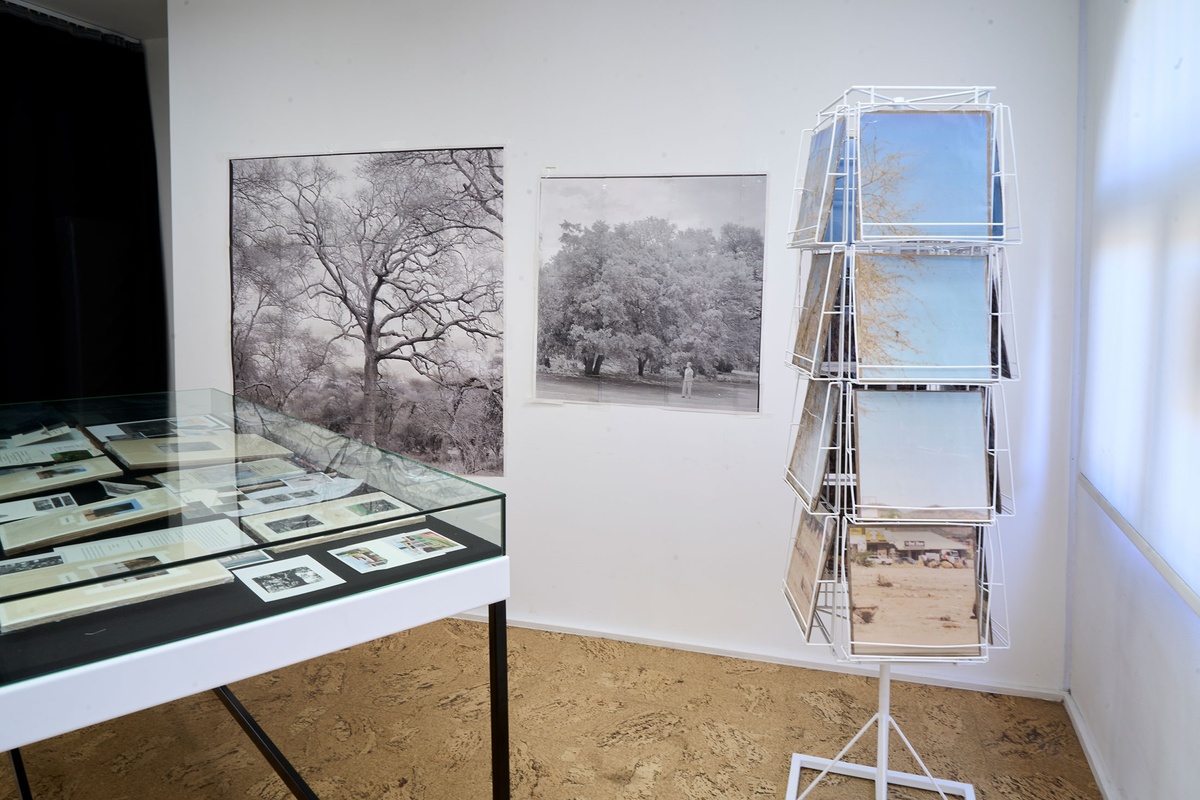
(650, 290)
(367, 297)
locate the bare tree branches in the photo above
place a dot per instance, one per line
(399, 253)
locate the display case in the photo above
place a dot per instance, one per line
(201, 532)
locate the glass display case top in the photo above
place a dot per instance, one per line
(114, 501)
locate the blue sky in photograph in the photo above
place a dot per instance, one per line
(946, 161)
(925, 310)
(921, 449)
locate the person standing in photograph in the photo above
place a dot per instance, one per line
(688, 376)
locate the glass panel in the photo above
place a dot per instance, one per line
(110, 501)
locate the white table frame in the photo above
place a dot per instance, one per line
(53, 704)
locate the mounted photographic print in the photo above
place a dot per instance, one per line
(914, 591)
(280, 580)
(925, 175)
(811, 449)
(398, 549)
(921, 455)
(367, 298)
(75, 522)
(922, 318)
(28, 480)
(810, 552)
(323, 517)
(650, 290)
(134, 579)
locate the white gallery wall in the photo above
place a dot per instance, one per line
(644, 523)
(1134, 604)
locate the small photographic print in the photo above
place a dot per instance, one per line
(395, 550)
(51, 503)
(371, 507)
(187, 447)
(282, 579)
(290, 524)
(424, 542)
(124, 507)
(58, 472)
(148, 429)
(129, 566)
(288, 579)
(30, 562)
(364, 556)
(70, 455)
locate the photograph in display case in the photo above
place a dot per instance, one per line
(925, 175)
(921, 455)
(922, 318)
(808, 560)
(123, 589)
(914, 591)
(199, 449)
(326, 517)
(30, 480)
(650, 290)
(816, 310)
(79, 521)
(279, 580)
(401, 547)
(71, 446)
(238, 474)
(814, 434)
(34, 506)
(157, 428)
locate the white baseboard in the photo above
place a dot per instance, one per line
(1108, 790)
(480, 615)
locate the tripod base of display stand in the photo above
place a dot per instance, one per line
(879, 773)
(825, 766)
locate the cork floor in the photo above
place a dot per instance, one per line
(406, 718)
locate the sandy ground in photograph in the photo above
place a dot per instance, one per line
(922, 606)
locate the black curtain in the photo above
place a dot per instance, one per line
(82, 292)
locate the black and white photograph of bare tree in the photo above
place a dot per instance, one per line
(367, 297)
(650, 290)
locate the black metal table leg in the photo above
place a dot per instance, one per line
(498, 676)
(265, 746)
(18, 766)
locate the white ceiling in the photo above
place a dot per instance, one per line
(138, 19)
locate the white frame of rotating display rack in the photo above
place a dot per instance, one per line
(905, 201)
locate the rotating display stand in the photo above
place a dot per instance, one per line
(905, 200)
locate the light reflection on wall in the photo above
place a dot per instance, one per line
(1140, 436)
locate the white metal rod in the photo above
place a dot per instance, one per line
(885, 728)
